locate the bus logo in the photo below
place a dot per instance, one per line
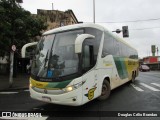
(90, 94)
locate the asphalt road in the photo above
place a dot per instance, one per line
(141, 97)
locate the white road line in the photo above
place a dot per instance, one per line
(156, 84)
(8, 92)
(26, 90)
(137, 88)
(149, 87)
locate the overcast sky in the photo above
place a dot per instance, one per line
(142, 34)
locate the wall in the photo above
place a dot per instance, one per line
(56, 18)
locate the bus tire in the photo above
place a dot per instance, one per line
(106, 90)
(133, 77)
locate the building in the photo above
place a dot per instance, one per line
(151, 59)
(56, 18)
(153, 62)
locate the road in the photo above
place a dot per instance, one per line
(143, 95)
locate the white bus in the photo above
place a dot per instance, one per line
(78, 63)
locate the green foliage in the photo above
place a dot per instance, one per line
(17, 26)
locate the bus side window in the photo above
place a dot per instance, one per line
(88, 58)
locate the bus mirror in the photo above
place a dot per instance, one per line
(23, 50)
(79, 41)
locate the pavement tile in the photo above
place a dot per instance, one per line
(21, 81)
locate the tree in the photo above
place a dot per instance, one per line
(17, 26)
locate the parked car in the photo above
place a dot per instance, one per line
(144, 68)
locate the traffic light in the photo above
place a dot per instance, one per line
(125, 31)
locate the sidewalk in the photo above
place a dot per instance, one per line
(19, 82)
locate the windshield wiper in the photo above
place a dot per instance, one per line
(45, 60)
(43, 65)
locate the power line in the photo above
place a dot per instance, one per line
(135, 21)
(145, 20)
(146, 28)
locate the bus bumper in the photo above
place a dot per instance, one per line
(72, 98)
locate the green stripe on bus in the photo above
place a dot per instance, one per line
(58, 84)
(121, 67)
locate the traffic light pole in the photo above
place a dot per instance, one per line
(11, 68)
(11, 65)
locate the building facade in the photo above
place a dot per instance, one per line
(56, 18)
(153, 62)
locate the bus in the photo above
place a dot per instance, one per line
(75, 64)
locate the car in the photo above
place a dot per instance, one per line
(144, 68)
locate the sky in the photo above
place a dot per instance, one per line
(141, 16)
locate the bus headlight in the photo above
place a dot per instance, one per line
(73, 87)
(30, 84)
(68, 89)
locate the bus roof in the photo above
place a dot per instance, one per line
(83, 25)
(75, 26)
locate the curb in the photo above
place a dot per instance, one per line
(15, 88)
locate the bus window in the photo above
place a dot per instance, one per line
(88, 60)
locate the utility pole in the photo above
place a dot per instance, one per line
(52, 7)
(11, 51)
(158, 57)
(93, 11)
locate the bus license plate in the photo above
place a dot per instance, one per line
(45, 98)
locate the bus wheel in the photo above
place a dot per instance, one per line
(133, 78)
(106, 89)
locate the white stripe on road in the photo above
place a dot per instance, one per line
(149, 87)
(137, 88)
(26, 90)
(156, 84)
(8, 92)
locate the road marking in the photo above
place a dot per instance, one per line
(38, 109)
(26, 90)
(156, 84)
(137, 88)
(149, 87)
(8, 92)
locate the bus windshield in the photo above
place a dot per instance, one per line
(55, 55)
